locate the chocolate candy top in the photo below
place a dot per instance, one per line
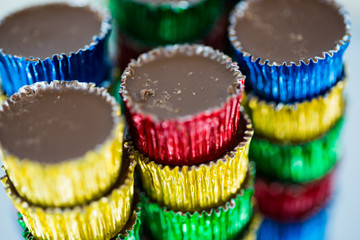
(49, 29)
(178, 85)
(55, 124)
(289, 30)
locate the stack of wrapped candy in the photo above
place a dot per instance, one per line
(292, 54)
(144, 24)
(190, 138)
(66, 172)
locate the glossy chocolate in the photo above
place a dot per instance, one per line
(289, 30)
(55, 124)
(180, 85)
(45, 30)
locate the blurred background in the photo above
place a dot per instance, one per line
(344, 209)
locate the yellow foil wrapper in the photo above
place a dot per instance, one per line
(297, 122)
(101, 219)
(198, 187)
(251, 232)
(71, 182)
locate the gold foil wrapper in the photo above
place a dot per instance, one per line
(198, 187)
(71, 182)
(297, 122)
(99, 220)
(251, 232)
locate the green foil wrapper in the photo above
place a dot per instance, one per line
(225, 222)
(297, 163)
(167, 22)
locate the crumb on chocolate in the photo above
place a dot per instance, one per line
(147, 93)
(231, 90)
(177, 91)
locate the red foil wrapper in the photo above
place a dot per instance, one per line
(192, 139)
(293, 202)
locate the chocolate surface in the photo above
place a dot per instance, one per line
(56, 124)
(289, 30)
(180, 85)
(45, 30)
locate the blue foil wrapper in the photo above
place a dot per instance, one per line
(88, 64)
(293, 82)
(311, 229)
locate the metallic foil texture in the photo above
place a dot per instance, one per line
(191, 139)
(131, 231)
(88, 64)
(224, 222)
(287, 202)
(297, 163)
(299, 122)
(198, 187)
(74, 181)
(129, 48)
(171, 22)
(98, 220)
(251, 231)
(293, 82)
(313, 228)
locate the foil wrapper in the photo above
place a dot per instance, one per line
(129, 48)
(313, 228)
(97, 220)
(287, 202)
(190, 139)
(251, 231)
(73, 181)
(298, 122)
(290, 82)
(224, 222)
(171, 21)
(88, 64)
(197, 187)
(131, 230)
(298, 163)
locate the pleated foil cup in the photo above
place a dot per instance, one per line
(298, 163)
(198, 187)
(128, 48)
(131, 230)
(298, 122)
(223, 222)
(88, 64)
(167, 22)
(295, 81)
(98, 220)
(287, 202)
(311, 229)
(73, 181)
(190, 139)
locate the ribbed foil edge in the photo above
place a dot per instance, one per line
(298, 163)
(88, 64)
(131, 231)
(298, 122)
(86, 176)
(223, 222)
(191, 139)
(295, 81)
(172, 21)
(286, 202)
(98, 220)
(201, 186)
